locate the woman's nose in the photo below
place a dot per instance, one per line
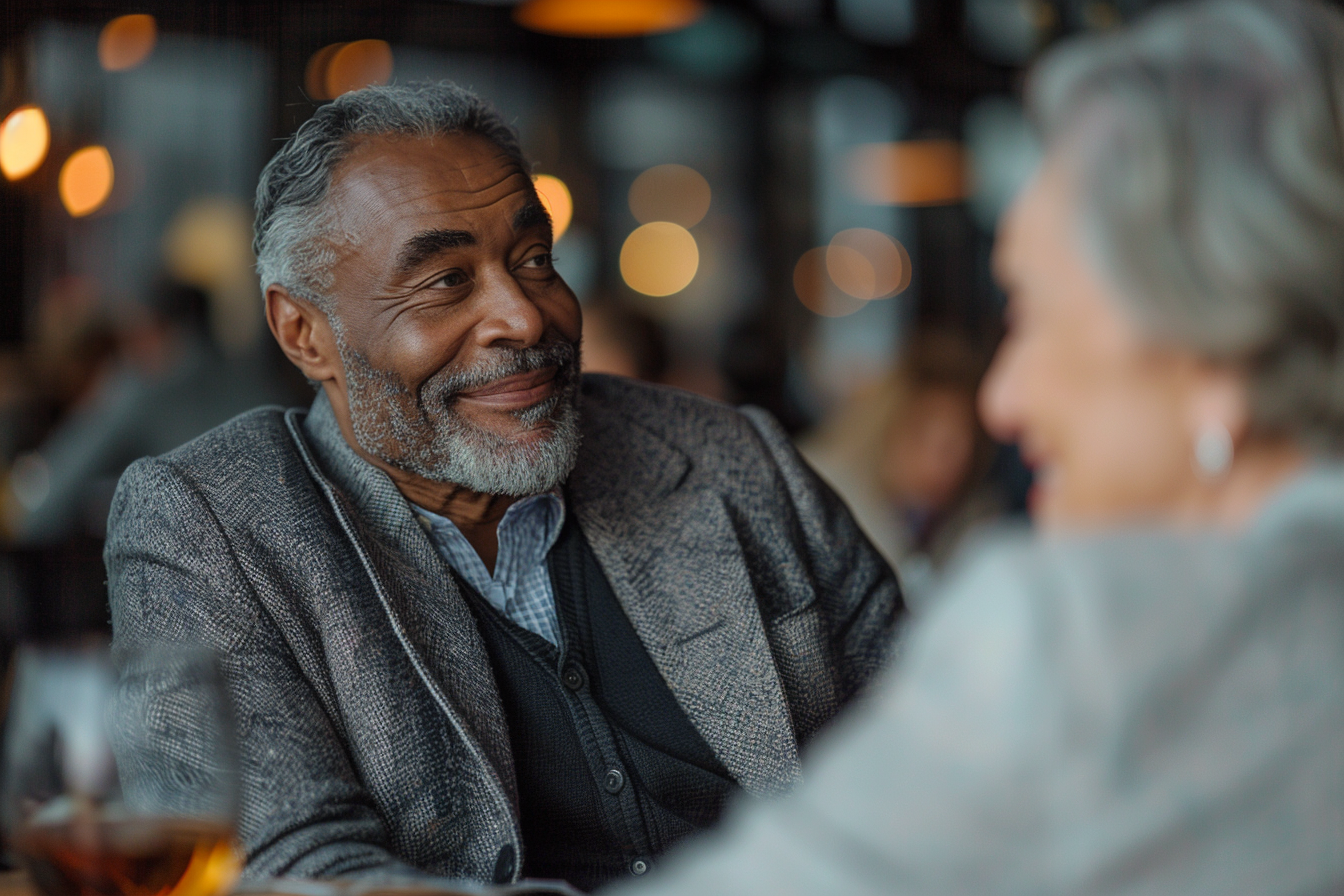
(1000, 395)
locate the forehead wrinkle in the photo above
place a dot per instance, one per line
(412, 193)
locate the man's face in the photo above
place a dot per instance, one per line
(459, 341)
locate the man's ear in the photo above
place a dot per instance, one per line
(303, 332)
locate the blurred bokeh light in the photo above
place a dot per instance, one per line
(315, 72)
(340, 68)
(607, 18)
(867, 264)
(1003, 153)
(812, 283)
(358, 64)
(86, 180)
(673, 193)
(659, 258)
(1009, 30)
(721, 44)
(24, 140)
(208, 242)
(909, 172)
(127, 41)
(880, 21)
(553, 194)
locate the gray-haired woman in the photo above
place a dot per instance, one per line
(1148, 696)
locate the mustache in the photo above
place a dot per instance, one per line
(503, 362)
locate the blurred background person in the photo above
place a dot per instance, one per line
(166, 384)
(1147, 697)
(910, 458)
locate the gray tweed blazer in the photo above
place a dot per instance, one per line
(370, 730)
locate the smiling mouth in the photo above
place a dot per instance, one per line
(515, 392)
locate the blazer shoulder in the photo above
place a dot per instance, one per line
(218, 453)
(689, 422)
(244, 460)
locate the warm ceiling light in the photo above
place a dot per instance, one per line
(357, 65)
(607, 18)
(911, 172)
(670, 193)
(24, 139)
(208, 243)
(86, 180)
(814, 288)
(555, 196)
(315, 73)
(867, 264)
(659, 258)
(126, 41)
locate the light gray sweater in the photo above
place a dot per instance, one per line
(1139, 712)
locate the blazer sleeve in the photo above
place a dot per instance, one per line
(173, 577)
(857, 591)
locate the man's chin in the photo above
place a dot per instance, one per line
(506, 427)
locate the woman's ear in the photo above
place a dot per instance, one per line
(303, 332)
(1221, 398)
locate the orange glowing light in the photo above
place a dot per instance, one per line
(867, 264)
(659, 259)
(912, 172)
(24, 140)
(85, 181)
(127, 41)
(813, 286)
(354, 65)
(315, 72)
(670, 193)
(555, 196)
(607, 18)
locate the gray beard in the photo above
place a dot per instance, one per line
(423, 433)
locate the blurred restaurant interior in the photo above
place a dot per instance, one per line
(787, 203)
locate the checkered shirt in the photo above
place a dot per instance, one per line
(521, 585)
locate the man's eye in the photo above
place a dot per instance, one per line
(540, 260)
(451, 279)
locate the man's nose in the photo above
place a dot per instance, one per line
(508, 315)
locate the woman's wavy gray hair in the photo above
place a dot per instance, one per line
(291, 229)
(1212, 190)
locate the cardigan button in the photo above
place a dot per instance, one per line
(506, 864)
(638, 867)
(614, 780)
(573, 677)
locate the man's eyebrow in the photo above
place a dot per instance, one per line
(532, 214)
(427, 244)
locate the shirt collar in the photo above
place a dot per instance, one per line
(530, 527)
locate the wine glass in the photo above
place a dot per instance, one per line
(121, 779)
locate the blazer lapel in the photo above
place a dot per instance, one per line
(422, 598)
(674, 563)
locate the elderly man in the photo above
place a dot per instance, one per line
(481, 617)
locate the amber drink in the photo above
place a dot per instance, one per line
(120, 779)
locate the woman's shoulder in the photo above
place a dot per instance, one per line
(1110, 620)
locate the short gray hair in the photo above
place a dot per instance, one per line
(1215, 199)
(291, 211)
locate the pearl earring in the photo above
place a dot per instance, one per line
(1213, 450)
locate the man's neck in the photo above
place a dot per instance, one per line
(476, 515)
